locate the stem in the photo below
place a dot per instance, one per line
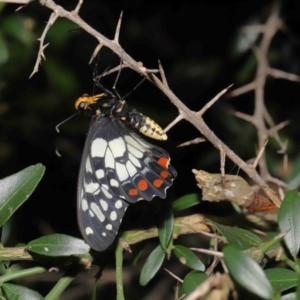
(290, 263)
(22, 273)
(119, 277)
(61, 285)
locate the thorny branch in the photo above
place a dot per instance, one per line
(269, 30)
(261, 117)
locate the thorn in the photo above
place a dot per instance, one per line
(96, 51)
(118, 28)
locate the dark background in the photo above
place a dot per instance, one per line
(197, 45)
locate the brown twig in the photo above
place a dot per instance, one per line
(52, 19)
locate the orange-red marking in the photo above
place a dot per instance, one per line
(133, 192)
(158, 183)
(164, 174)
(142, 185)
(164, 161)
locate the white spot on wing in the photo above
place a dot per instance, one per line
(137, 153)
(99, 173)
(114, 182)
(91, 213)
(107, 194)
(134, 160)
(89, 230)
(88, 166)
(118, 204)
(121, 171)
(98, 147)
(109, 227)
(91, 187)
(131, 168)
(109, 159)
(103, 233)
(104, 186)
(97, 211)
(117, 146)
(113, 215)
(84, 205)
(103, 204)
(133, 143)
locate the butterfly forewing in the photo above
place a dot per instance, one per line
(99, 211)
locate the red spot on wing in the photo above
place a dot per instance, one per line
(164, 174)
(164, 161)
(142, 185)
(158, 183)
(133, 192)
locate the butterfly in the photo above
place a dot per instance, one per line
(118, 167)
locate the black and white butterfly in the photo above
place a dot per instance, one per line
(118, 166)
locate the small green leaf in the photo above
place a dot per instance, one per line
(192, 280)
(247, 272)
(238, 237)
(58, 245)
(282, 279)
(165, 228)
(188, 258)
(185, 202)
(288, 220)
(16, 189)
(152, 265)
(17, 292)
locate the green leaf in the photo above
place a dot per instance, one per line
(185, 202)
(247, 272)
(188, 258)
(192, 280)
(152, 265)
(58, 245)
(238, 237)
(282, 279)
(16, 189)
(17, 292)
(165, 228)
(288, 220)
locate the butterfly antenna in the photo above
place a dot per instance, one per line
(57, 126)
